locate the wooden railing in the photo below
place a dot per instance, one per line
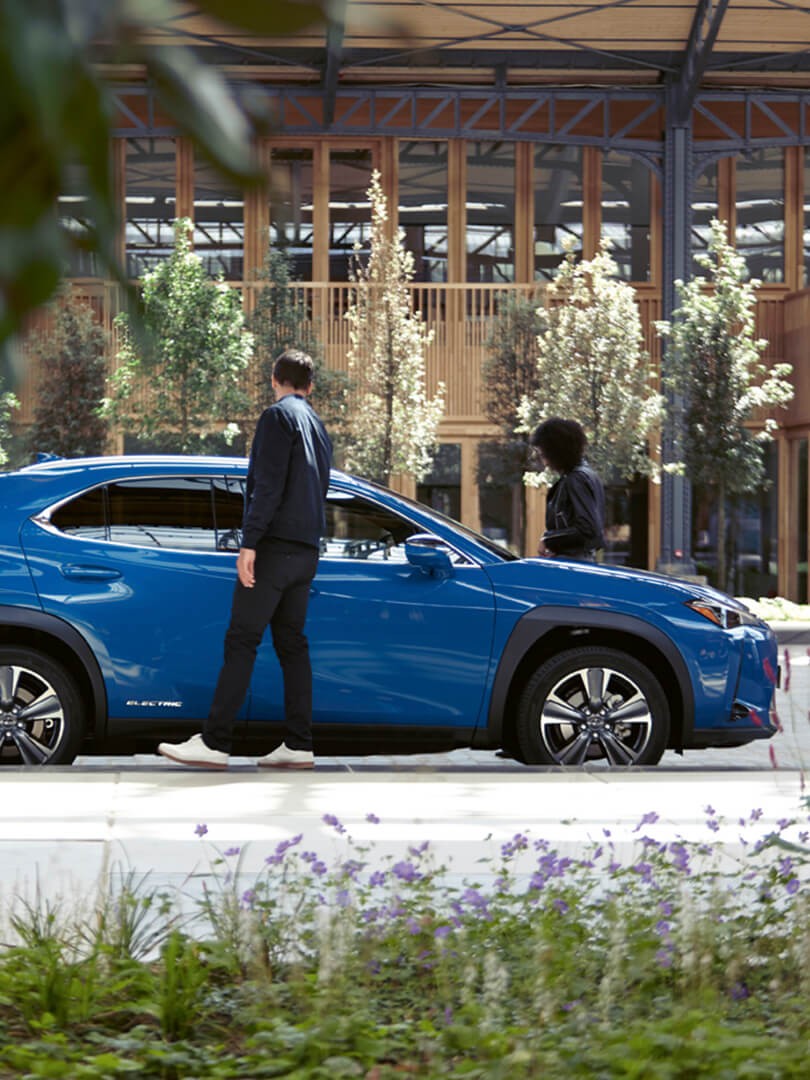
(460, 316)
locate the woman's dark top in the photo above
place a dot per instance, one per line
(575, 513)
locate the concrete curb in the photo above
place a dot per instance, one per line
(791, 633)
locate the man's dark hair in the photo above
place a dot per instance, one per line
(293, 368)
(561, 442)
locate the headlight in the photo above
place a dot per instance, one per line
(723, 614)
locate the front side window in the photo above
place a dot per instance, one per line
(357, 528)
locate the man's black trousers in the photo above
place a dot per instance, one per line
(284, 572)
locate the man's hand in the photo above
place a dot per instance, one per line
(246, 567)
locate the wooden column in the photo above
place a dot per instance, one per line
(524, 213)
(184, 156)
(592, 197)
(794, 217)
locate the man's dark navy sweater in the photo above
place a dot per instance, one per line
(288, 475)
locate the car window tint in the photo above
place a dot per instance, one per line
(229, 503)
(172, 512)
(83, 516)
(357, 528)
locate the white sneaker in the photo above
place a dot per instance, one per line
(284, 758)
(194, 752)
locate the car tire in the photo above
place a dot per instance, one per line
(40, 711)
(592, 704)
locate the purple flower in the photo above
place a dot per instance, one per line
(330, 819)
(709, 811)
(649, 818)
(665, 908)
(373, 819)
(474, 898)
(739, 991)
(412, 925)
(343, 898)
(201, 830)
(561, 906)
(318, 868)
(249, 897)
(755, 815)
(569, 1006)
(662, 928)
(792, 886)
(232, 851)
(406, 871)
(377, 878)
(713, 824)
(664, 958)
(442, 932)
(417, 851)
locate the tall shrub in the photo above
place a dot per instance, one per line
(8, 403)
(392, 422)
(180, 383)
(68, 418)
(592, 367)
(281, 321)
(509, 374)
(719, 382)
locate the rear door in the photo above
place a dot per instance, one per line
(145, 569)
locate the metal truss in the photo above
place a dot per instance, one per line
(608, 118)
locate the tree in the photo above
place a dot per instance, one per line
(181, 382)
(509, 374)
(392, 423)
(57, 112)
(280, 321)
(592, 367)
(8, 403)
(719, 384)
(73, 374)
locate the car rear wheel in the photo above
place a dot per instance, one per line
(40, 713)
(592, 704)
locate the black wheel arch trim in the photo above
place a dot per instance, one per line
(69, 636)
(541, 621)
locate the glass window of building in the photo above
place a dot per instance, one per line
(704, 207)
(760, 234)
(558, 206)
(491, 211)
(74, 218)
(441, 488)
(291, 208)
(219, 223)
(150, 203)
(423, 206)
(349, 208)
(626, 190)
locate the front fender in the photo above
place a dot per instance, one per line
(538, 623)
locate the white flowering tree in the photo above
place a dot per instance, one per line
(592, 367)
(180, 382)
(719, 382)
(392, 421)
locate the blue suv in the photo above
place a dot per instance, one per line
(116, 577)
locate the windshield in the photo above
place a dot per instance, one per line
(477, 537)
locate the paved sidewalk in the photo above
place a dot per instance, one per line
(63, 830)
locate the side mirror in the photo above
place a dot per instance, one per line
(429, 554)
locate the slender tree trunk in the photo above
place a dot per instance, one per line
(721, 536)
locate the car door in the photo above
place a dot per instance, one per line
(145, 569)
(390, 644)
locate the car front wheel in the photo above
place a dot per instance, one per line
(592, 704)
(40, 714)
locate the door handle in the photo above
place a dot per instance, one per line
(78, 572)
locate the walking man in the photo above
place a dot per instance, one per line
(288, 477)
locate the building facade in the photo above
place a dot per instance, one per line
(499, 136)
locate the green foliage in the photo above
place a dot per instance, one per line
(392, 422)
(714, 365)
(592, 367)
(719, 384)
(57, 113)
(181, 382)
(280, 321)
(678, 960)
(73, 373)
(8, 403)
(509, 374)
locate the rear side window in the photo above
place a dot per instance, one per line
(195, 513)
